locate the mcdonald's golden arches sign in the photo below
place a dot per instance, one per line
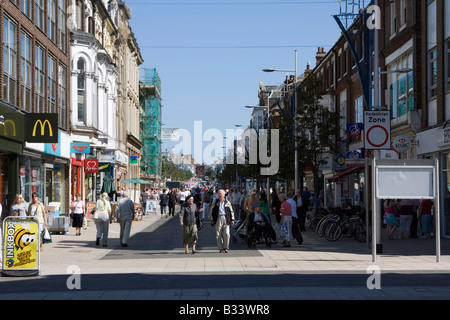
(42, 128)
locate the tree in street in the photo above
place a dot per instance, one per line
(317, 128)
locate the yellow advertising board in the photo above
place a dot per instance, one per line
(21, 241)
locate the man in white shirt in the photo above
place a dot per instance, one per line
(235, 200)
(182, 197)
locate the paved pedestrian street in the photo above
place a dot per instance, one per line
(155, 267)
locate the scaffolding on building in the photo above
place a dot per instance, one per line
(150, 100)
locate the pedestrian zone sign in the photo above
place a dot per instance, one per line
(377, 126)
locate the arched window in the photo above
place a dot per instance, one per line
(81, 87)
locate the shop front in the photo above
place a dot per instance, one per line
(44, 168)
(435, 144)
(12, 128)
(347, 184)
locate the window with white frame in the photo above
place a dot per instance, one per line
(51, 20)
(9, 62)
(403, 12)
(26, 6)
(40, 79)
(447, 65)
(26, 71)
(62, 25)
(39, 14)
(393, 17)
(62, 99)
(81, 90)
(51, 82)
(343, 119)
(432, 73)
(359, 110)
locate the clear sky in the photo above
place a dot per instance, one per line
(210, 53)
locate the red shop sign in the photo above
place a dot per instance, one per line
(91, 165)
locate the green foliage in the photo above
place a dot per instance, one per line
(317, 128)
(170, 170)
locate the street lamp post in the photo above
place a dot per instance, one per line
(296, 175)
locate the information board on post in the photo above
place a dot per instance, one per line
(377, 128)
(20, 249)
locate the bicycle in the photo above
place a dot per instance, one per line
(353, 228)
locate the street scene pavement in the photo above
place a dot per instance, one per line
(155, 267)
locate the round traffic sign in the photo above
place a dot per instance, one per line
(377, 136)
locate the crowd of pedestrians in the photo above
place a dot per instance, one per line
(281, 216)
(405, 216)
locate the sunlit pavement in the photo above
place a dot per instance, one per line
(155, 267)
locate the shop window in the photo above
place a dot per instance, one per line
(30, 178)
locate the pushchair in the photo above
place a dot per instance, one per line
(239, 231)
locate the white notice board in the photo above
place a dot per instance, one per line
(405, 182)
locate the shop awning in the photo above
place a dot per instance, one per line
(346, 171)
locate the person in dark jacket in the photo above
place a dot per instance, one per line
(188, 219)
(261, 223)
(163, 201)
(221, 216)
(172, 201)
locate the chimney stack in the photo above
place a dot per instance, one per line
(320, 55)
(308, 68)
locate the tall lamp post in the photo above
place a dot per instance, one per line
(296, 175)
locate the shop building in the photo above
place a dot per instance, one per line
(433, 140)
(94, 94)
(34, 64)
(129, 110)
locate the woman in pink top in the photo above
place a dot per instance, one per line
(390, 209)
(286, 217)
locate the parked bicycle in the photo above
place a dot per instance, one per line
(352, 227)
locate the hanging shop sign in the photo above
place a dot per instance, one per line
(134, 160)
(42, 128)
(80, 147)
(21, 241)
(402, 143)
(12, 124)
(91, 165)
(104, 167)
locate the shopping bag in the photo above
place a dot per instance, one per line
(284, 232)
(46, 237)
(84, 223)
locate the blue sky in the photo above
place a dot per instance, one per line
(210, 53)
